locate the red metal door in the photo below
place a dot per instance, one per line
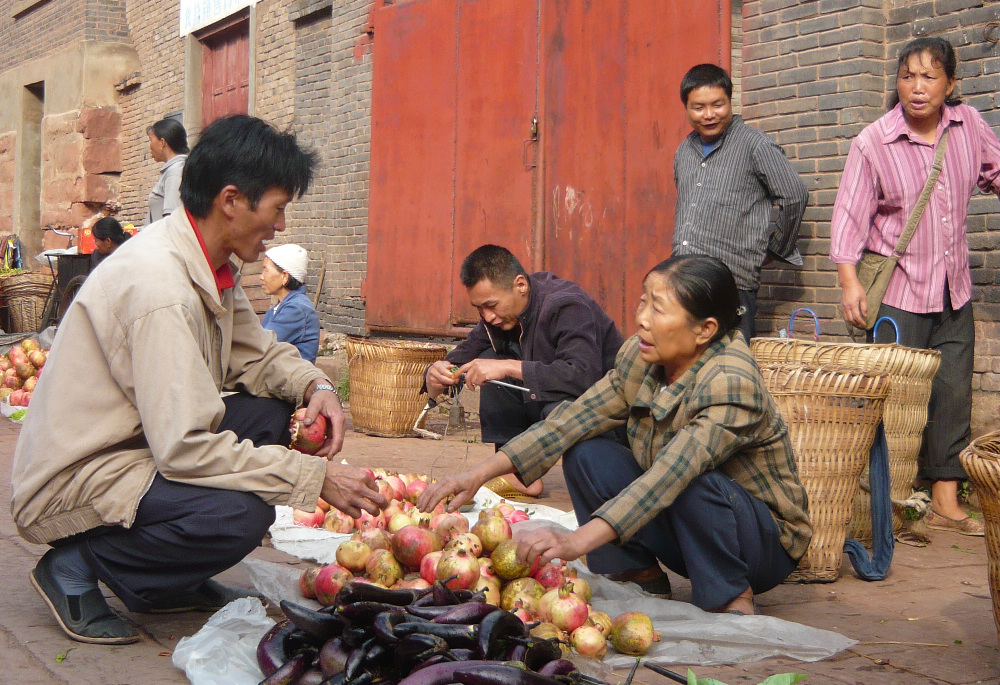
(612, 119)
(225, 71)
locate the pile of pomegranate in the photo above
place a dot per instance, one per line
(21, 368)
(442, 548)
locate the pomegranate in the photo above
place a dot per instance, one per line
(505, 508)
(412, 543)
(36, 358)
(632, 633)
(521, 591)
(600, 620)
(393, 508)
(486, 568)
(505, 563)
(376, 538)
(11, 380)
(415, 489)
(490, 588)
(398, 521)
(422, 518)
(522, 612)
(17, 356)
(398, 487)
(552, 575)
(458, 562)
(383, 568)
(411, 582)
(25, 399)
(580, 586)
(589, 641)
(30, 345)
(307, 439)
(489, 511)
(367, 520)
(322, 504)
(16, 398)
(383, 488)
(467, 540)
(451, 525)
(329, 580)
(307, 582)
(517, 516)
(548, 631)
(5, 364)
(313, 519)
(337, 521)
(428, 566)
(491, 531)
(567, 610)
(353, 555)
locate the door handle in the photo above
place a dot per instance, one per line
(528, 141)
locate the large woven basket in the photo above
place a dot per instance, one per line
(386, 377)
(911, 372)
(981, 460)
(832, 415)
(25, 295)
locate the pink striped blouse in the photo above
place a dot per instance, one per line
(885, 172)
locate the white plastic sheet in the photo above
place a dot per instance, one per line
(224, 651)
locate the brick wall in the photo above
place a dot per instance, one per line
(40, 31)
(814, 74)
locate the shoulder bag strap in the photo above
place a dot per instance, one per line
(925, 196)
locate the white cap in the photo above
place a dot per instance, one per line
(291, 258)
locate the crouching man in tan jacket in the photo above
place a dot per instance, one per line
(130, 464)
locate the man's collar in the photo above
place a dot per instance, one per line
(695, 138)
(224, 274)
(529, 314)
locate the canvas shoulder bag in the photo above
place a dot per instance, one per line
(875, 270)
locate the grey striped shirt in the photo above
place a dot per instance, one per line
(725, 200)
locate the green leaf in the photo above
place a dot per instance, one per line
(958, 642)
(61, 657)
(19, 415)
(785, 679)
(963, 551)
(695, 680)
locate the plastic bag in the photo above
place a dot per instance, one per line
(224, 651)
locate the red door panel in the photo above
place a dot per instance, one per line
(497, 66)
(411, 190)
(225, 72)
(656, 123)
(583, 120)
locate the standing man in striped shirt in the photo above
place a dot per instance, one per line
(729, 178)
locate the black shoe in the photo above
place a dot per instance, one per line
(210, 596)
(86, 617)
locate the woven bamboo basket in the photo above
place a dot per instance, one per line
(831, 415)
(911, 372)
(981, 460)
(386, 377)
(25, 295)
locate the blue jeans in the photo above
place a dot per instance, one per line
(715, 532)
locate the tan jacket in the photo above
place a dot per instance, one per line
(132, 386)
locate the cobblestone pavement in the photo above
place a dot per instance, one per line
(930, 621)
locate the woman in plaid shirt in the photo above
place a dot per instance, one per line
(707, 486)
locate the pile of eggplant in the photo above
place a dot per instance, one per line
(372, 635)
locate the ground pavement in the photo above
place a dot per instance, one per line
(930, 621)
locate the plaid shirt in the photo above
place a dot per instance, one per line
(716, 415)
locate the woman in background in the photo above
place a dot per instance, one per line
(293, 318)
(108, 236)
(167, 144)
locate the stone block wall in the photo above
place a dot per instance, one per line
(8, 143)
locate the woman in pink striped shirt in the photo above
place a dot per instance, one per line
(930, 291)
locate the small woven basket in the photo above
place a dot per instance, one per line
(981, 460)
(831, 415)
(386, 377)
(25, 294)
(911, 372)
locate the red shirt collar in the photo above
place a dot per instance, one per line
(223, 275)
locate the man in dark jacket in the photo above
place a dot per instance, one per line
(537, 331)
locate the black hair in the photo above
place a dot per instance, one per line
(248, 153)
(493, 263)
(292, 283)
(705, 287)
(941, 52)
(171, 131)
(706, 76)
(110, 228)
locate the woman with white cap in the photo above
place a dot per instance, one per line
(293, 318)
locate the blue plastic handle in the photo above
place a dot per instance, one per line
(894, 326)
(791, 322)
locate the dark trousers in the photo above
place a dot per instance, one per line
(184, 534)
(748, 326)
(949, 413)
(715, 532)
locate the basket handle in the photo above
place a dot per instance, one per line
(791, 322)
(894, 326)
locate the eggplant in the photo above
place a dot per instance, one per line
(495, 633)
(430, 611)
(457, 635)
(558, 666)
(291, 670)
(363, 613)
(320, 626)
(459, 654)
(439, 674)
(516, 652)
(385, 624)
(354, 662)
(333, 656)
(313, 676)
(444, 595)
(353, 592)
(355, 636)
(500, 674)
(271, 652)
(466, 612)
(541, 652)
(464, 595)
(417, 648)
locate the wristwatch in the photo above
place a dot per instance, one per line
(327, 386)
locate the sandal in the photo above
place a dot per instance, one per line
(966, 526)
(500, 486)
